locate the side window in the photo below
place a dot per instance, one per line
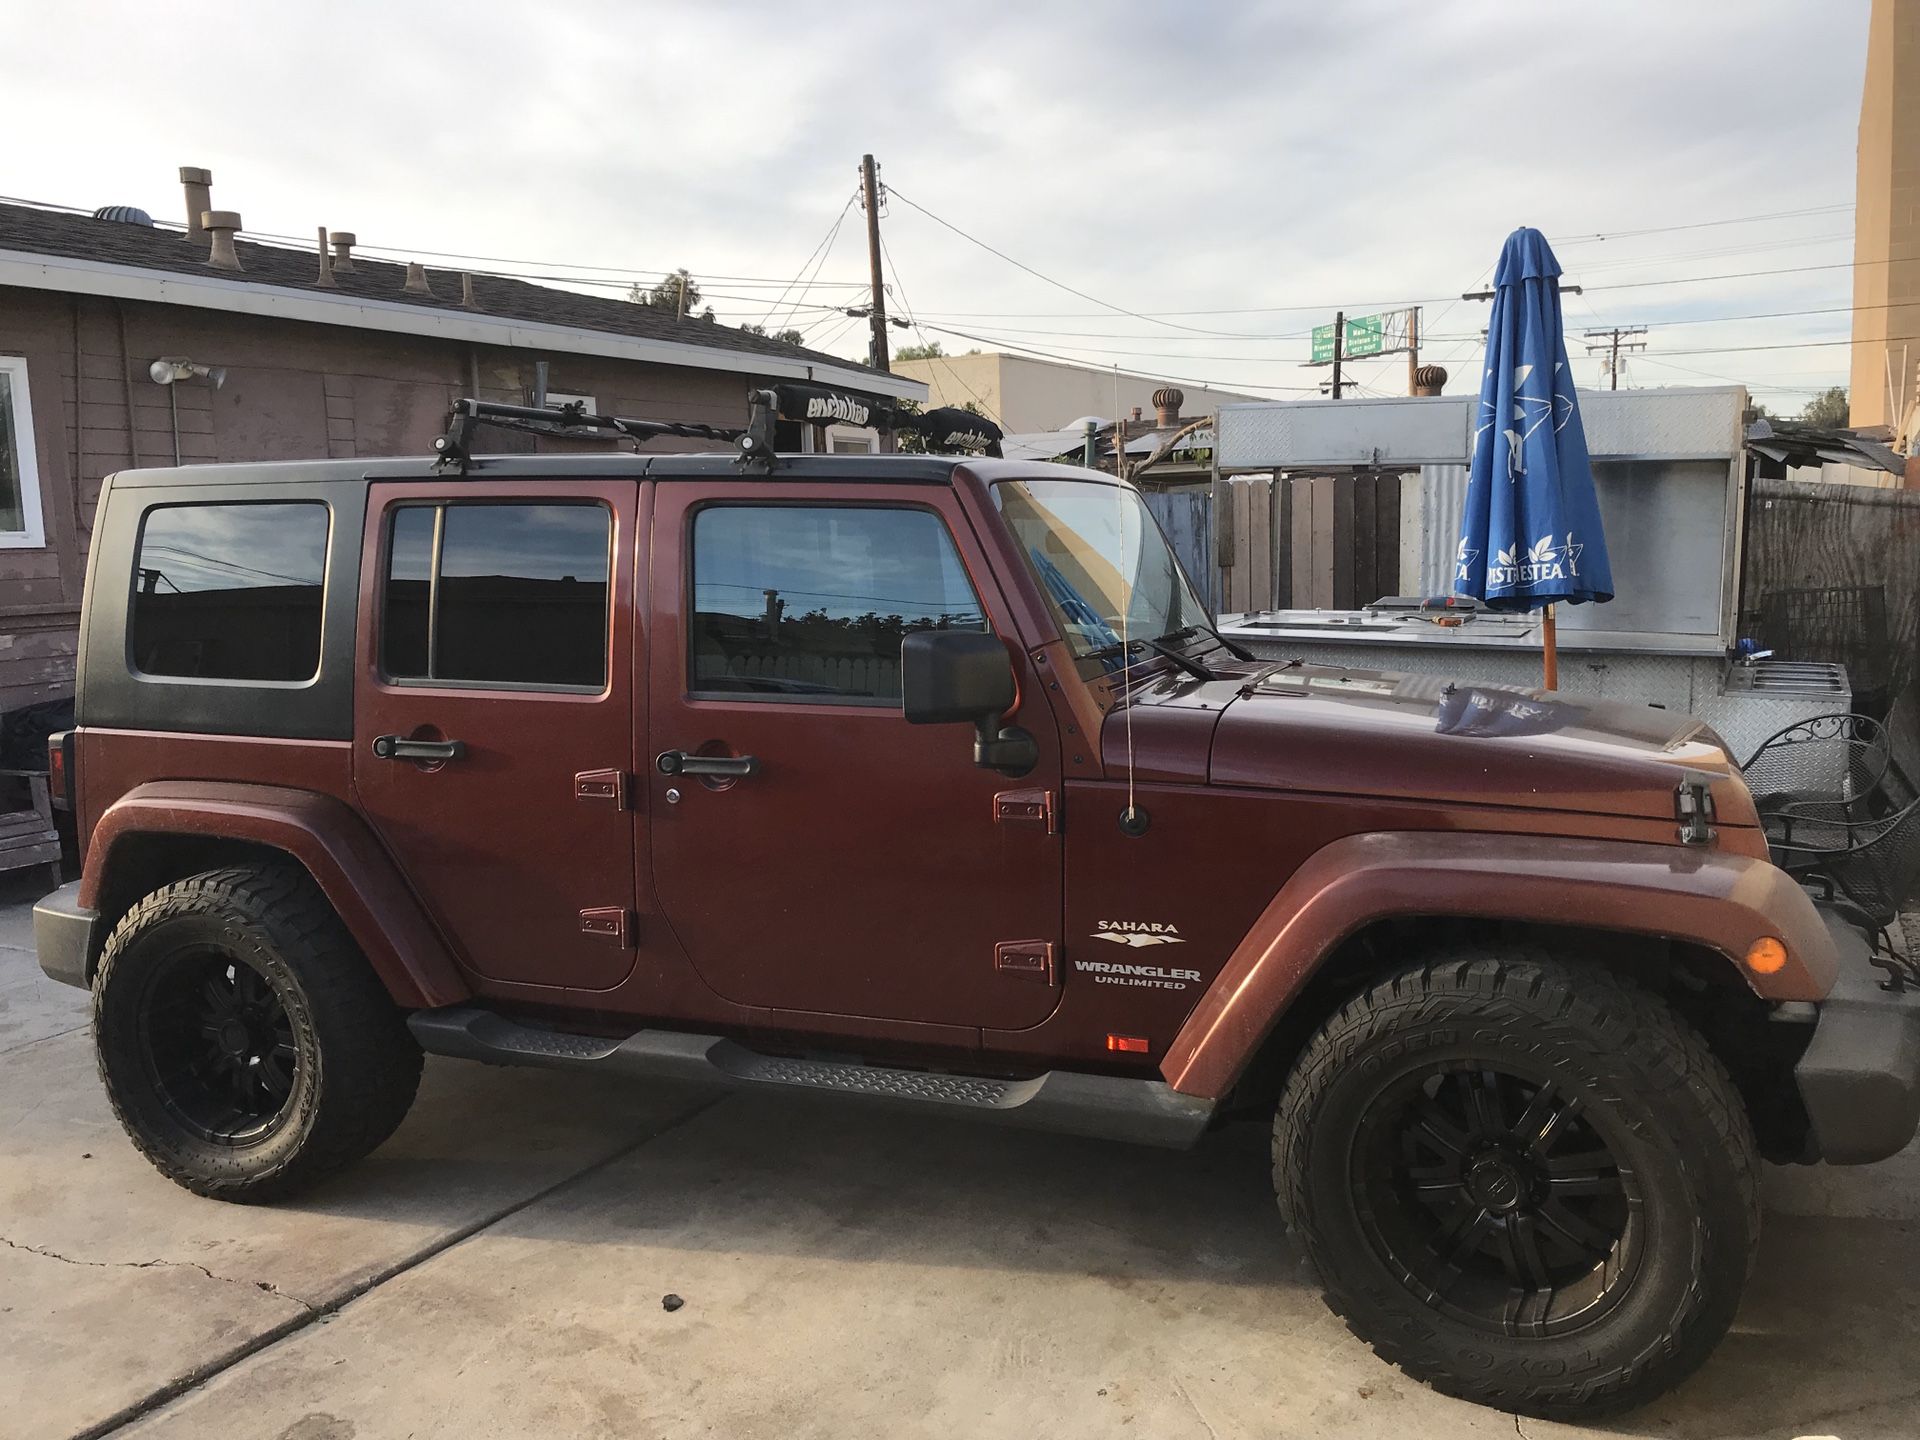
(810, 602)
(229, 592)
(486, 594)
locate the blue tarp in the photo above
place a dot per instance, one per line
(1530, 531)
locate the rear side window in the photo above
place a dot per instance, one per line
(230, 592)
(810, 602)
(484, 594)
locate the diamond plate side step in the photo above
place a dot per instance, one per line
(1142, 1111)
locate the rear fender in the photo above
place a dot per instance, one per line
(1711, 898)
(321, 833)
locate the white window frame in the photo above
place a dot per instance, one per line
(34, 535)
(558, 399)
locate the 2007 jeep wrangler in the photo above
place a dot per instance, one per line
(929, 781)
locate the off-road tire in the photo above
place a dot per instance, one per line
(1637, 1067)
(357, 1065)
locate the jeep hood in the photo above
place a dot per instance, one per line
(1377, 733)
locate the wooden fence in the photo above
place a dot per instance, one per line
(1319, 541)
(1833, 573)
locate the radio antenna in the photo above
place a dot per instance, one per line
(1133, 820)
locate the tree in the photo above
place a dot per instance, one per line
(679, 292)
(930, 351)
(1828, 409)
(790, 337)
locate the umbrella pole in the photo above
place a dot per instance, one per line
(1550, 656)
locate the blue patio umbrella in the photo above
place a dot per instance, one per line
(1530, 533)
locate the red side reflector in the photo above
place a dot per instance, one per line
(1131, 1044)
(57, 770)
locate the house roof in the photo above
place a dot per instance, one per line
(60, 250)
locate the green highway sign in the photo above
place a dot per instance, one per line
(1366, 335)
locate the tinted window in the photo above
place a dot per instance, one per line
(498, 594)
(230, 592)
(811, 602)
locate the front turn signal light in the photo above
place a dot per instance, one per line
(1766, 956)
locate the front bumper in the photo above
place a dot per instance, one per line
(63, 935)
(1860, 1075)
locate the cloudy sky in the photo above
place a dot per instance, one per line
(1230, 173)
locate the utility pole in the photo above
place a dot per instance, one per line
(870, 186)
(1413, 350)
(1339, 347)
(680, 308)
(1613, 341)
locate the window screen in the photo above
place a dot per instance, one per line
(811, 602)
(498, 594)
(230, 592)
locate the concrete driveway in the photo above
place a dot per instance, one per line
(498, 1269)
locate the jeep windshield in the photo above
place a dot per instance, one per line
(1100, 559)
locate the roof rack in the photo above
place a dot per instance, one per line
(455, 447)
(945, 430)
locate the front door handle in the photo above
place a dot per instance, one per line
(679, 762)
(398, 747)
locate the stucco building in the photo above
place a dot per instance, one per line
(1021, 394)
(361, 361)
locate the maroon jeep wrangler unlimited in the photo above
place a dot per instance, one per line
(928, 781)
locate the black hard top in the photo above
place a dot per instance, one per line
(897, 469)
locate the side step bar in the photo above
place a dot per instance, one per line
(1144, 1112)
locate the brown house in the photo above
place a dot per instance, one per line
(115, 330)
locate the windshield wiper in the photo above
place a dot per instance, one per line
(1185, 662)
(1191, 666)
(1239, 652)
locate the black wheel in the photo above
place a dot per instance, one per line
(245, 1044)
(1525, 1183)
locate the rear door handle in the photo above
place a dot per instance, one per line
(678, 762)
(397, 747)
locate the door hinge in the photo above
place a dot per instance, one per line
(610, 923)
(604, 787)
(1031, 959)
(1693, 808)
(1026, 807)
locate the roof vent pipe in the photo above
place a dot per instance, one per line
(325, 277)
(1429, 379)
(466, 291)
(221, 224)
(343, 243)
(417, 279)
(198, 184)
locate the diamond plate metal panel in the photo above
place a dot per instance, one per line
(1248, 432)
(1677, 424)
(1302, 434)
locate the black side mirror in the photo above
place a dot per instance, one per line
(950, 677)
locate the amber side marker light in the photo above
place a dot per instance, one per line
(1766, 956)
(1131, 1044)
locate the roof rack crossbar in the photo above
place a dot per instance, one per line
(454, 447)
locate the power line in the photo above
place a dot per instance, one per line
(822, 250)
(1704, 224)
(906, 305)
(1019, 265)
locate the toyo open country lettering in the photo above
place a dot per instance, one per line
(695, 767)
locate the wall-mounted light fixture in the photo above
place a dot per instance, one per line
(170, 370)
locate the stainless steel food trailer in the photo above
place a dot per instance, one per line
(1669, 465)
